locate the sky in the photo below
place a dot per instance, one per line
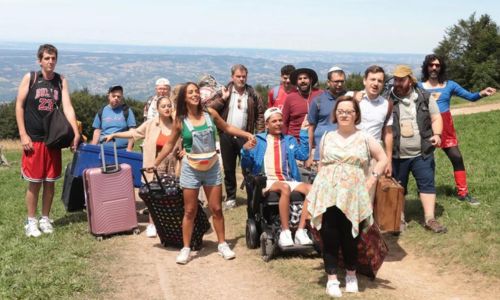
(323, 25)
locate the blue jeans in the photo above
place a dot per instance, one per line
(422, 169)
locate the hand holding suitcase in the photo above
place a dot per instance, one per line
(388, 204)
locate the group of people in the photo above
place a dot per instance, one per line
(353, 137)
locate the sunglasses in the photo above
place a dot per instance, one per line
(239, 103)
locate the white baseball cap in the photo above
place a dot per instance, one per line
(162, 81)
(335, 69)
(271, 111)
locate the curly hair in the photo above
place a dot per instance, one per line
(182, 108)
(425, 68)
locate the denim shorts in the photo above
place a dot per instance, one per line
(422, 169)
(193, 179)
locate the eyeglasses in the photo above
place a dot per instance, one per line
(345, 112)
(337, 81)
(434, 65)
(239, 103)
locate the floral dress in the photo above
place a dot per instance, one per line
(341, 180)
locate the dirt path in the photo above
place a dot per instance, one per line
(144, 269)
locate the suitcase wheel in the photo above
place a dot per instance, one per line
(99, 238)
(136, 231)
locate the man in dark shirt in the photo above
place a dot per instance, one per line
(40, 93)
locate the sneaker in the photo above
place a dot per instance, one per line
(301, 237)
(469, 199)
(434, 226)
(285, 238)
(351, 284)
(183, 256)
(46, 225)
(225, 251)
(31, 228)
(333, 289)
(151, 231)
(229, 204)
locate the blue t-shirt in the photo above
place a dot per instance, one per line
(443, 95)
(113, 121)
(320, 115)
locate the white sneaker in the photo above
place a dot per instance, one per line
(301, 237)
(31, 228)
(183, 256)
(225, 251)
(285, 238)
(351, 284)
(45, 225)
(151, 231)
(333, 289)
(229, 204)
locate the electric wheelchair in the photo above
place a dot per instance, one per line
(263, 225)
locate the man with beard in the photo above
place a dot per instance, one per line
(435, 82)
(297, 104)
(239, 105)
(417, 131)
(277, 95)
(376, 111)
(320, 111)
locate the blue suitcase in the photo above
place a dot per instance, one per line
(89, 156)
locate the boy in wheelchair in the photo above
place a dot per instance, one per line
(274, 155)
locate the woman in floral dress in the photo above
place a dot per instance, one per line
(339, 202)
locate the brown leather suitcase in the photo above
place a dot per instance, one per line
(388, 204)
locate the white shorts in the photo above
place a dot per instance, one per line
(292, 184)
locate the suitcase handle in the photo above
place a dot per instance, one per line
(109, 169)
(143, 172)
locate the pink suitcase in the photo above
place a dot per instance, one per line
(110, 198)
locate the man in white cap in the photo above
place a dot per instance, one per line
(320, 111)
(276, 153)
(162, 90)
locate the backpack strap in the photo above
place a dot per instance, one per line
(390, 105)
(276, 91)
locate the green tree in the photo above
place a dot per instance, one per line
(471, 49)
(354, 82)
(262, 90)
(8, 121)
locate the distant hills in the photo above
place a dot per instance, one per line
(96, 67)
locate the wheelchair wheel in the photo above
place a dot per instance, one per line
(266, 247)
(251, 234)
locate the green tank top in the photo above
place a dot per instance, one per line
(187, 137)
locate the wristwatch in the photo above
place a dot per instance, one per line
(375, 174)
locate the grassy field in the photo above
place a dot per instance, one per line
(472, 243)
(69, 263)
(459, 102)
(58, 266)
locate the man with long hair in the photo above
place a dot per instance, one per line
(441, 89)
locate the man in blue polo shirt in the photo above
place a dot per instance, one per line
(320, 111)
(114, 117)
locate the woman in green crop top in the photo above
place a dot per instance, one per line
(197, 128)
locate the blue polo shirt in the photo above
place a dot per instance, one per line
(320, 115)
(113, 121)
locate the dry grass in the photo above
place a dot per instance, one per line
(10, 144)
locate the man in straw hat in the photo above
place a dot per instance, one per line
(297, 104)
(417, 127)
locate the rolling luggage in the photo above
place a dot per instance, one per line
(163, 198)
(73, 196)
(90, 156)
(110, 198)
(388, 204)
